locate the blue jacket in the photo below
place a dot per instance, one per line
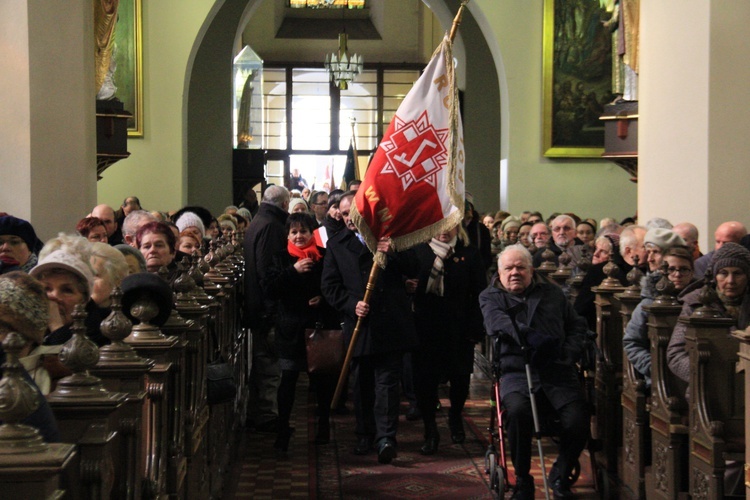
(548, 312)
(635, 341)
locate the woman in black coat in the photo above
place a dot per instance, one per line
(294, 282)
(449, 322)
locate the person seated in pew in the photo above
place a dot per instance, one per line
(19, 245)
(93, 229)
(731, 267)
(680, 273)
(24, 309)
(157, 243)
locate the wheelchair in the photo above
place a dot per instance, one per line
(501, 478)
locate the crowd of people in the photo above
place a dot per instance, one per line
(307, 265)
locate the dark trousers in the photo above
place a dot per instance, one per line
(519, 424)
(264, 376)
(428, 373)
(376, 394)
(324, 385)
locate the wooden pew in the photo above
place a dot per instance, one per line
(29, 467)
(607, 422)
(667, 476)
(743, 337)
(87, 413)
(635, 453)
(717, 404)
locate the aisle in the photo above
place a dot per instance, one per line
(333, 472)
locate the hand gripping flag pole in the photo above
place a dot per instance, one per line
(414, 186)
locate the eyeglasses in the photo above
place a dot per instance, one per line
(682, 271)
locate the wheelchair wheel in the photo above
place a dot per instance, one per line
(575, 472)
(497, 478)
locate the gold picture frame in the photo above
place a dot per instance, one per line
(129, 58)
(577, 79)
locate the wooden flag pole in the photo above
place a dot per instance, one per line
(354, 150)
(375, 271)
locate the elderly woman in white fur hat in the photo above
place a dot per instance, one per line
(24, 310)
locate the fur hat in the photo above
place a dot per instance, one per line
(23, 305)
(731, 255)
(227, 220)
(510, 221)
(60, 259)
(21, 228)
(152, 286)
(662, 238)
(189, 219)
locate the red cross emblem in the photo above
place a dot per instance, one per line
(415, 151)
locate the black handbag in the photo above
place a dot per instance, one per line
(220, 385)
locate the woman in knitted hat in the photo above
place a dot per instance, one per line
(297, 205)
(24, 310)
(189, 221)
(294, 282)
(731, 267)
(227, 224)
(635, 341)
(19, 245)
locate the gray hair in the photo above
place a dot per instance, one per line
(134, 220)
(658, 222)
(557, 220)
(109, 264)
(128, 250)
(628, 238)
(276, 195)
(519, 248)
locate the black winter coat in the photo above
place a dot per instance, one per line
(292, 291)
(266, 236)
(389, 326)
(547, 311)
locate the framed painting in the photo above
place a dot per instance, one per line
(577, 76)
(129, 58)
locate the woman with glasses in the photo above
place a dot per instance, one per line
(679, 272)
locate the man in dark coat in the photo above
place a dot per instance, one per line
(546, 322)
(563, 229)
(266, 236)
(386, 332)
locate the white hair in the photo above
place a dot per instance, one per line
(519, 248)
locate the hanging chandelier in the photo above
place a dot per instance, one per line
(341, 66)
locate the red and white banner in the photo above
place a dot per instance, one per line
(414, 186)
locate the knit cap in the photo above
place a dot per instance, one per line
(23, 305)
(510, 221)
(10, 225)
(731, 255)
(60, 259)
(662, 238)
(227, 220)
(296, 201)
(189, 219)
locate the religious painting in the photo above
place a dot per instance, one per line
(128, 56)
(577, 76)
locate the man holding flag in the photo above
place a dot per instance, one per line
(412, 191)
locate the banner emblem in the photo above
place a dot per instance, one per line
(415, 151)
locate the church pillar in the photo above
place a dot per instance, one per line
(48, 129)
(693, 125)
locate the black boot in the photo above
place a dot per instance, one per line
(323, 436)
(456, 424)
(281, 445)
(431, 439)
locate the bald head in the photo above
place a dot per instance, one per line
(107, 215)
(731, 231)
(689, 233)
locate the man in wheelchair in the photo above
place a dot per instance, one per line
(537, 326)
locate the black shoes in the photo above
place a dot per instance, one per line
(456, 424)
(281, 445)
(323, 436)
(561, 489)
(386, 450)
(524, 489)
(413, 414)
(430, 445)
(363, 446)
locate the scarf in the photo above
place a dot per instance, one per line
(442, 251)
(309, 252)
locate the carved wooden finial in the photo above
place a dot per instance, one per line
(707, 297)
(117, 327)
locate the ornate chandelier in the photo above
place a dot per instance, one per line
(343, 67)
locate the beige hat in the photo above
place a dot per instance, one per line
(60, 259)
